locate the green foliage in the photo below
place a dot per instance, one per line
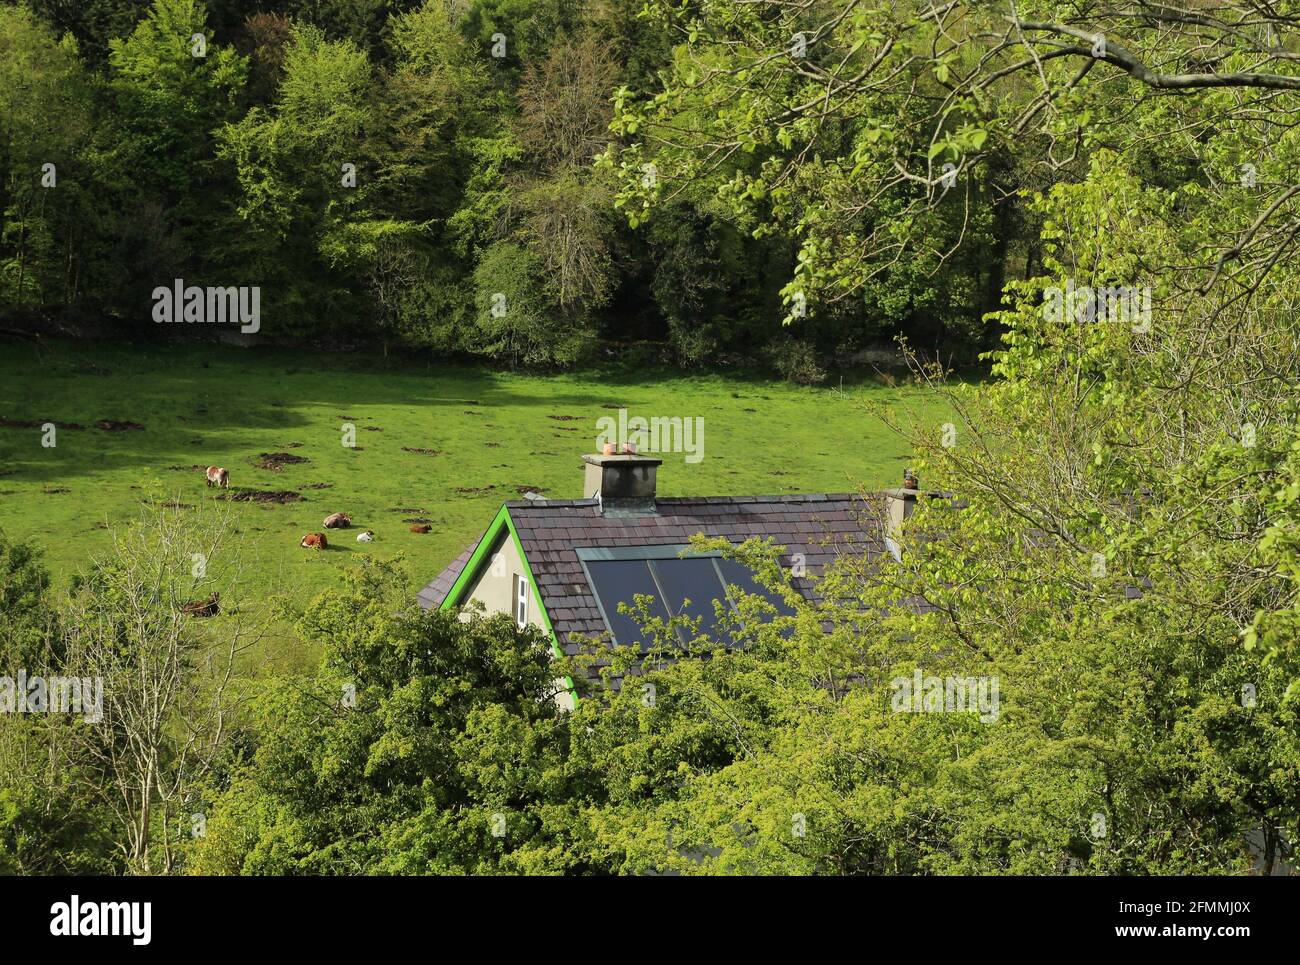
(50, 820)
(229, 168)
(515, 320)
(446, 724)
(796, 360)
(44, 121)
(24, 584)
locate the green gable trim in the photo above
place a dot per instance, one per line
(469, 575)
(474, 568)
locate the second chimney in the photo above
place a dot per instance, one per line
(624, 484)
(901, 503)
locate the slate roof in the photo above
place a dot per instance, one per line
(434, 593)
(821, 526)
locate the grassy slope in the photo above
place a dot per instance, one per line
(204, 404)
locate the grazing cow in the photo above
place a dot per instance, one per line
(218, 476)
(366, 537)
(420, 528)
(204, 608)
(314, 541)
(337, 521)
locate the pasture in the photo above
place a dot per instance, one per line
(438, 445)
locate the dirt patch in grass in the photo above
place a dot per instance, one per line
(422, 452)
(474, 490)
(371, 429)
(176, 505)
(407, 510)
(563, 418)
(187, 468)
(529, 489)
(52, 490)
(317, 486)
(114, 425)
(417, 519)
(263, 496)
(492, 445)
(276, 461)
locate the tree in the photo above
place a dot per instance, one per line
(515, 321)
(171, 86)
(45, 120)
(424, 744)
(874, 135)
(301, 180)
(564, 103)
(166, 686)
(50, 819)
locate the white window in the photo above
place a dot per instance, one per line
(521, 601)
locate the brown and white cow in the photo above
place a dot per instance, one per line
(217, 476)
(314, 541)
(337, 521)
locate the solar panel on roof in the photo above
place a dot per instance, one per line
(671, 581)
(738, 574)
(696, 580)
(619, 581)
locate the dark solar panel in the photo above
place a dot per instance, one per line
(619, 581)
(695, 580)
(738, 574)
(671, 581)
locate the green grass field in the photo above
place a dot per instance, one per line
(492, 433)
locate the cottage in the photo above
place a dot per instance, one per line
(565, 565)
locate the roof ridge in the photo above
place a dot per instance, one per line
(702, 500)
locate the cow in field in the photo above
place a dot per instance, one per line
(421, 528)
(204, 608)
(314, 541)
(366, 537)
(217, 476)
(337, 521)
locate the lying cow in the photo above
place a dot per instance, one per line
(337, 521)
(204, 608)
(217, 476)
(314, 541)
(421, 528)
(366, 537)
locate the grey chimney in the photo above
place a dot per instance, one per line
(901, 503)
(624, 483)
